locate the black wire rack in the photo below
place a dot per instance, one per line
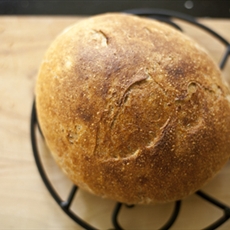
(167, 17)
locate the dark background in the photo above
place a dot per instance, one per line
(197, 8)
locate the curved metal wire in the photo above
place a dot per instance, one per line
(166, 226)
(162, 15)
(172, 14)
(116, 211)
(173, 217)
(225, 209)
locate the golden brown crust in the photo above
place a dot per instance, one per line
(133, 110)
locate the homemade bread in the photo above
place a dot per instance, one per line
(133, 110)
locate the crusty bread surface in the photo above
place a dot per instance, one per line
(133, 110)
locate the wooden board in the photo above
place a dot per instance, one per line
(25, 202)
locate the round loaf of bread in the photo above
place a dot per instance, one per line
(133, 110)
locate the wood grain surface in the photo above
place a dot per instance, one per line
(24, 200)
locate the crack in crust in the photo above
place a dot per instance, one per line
(138, 79)
(101, 36)
(158, 137)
